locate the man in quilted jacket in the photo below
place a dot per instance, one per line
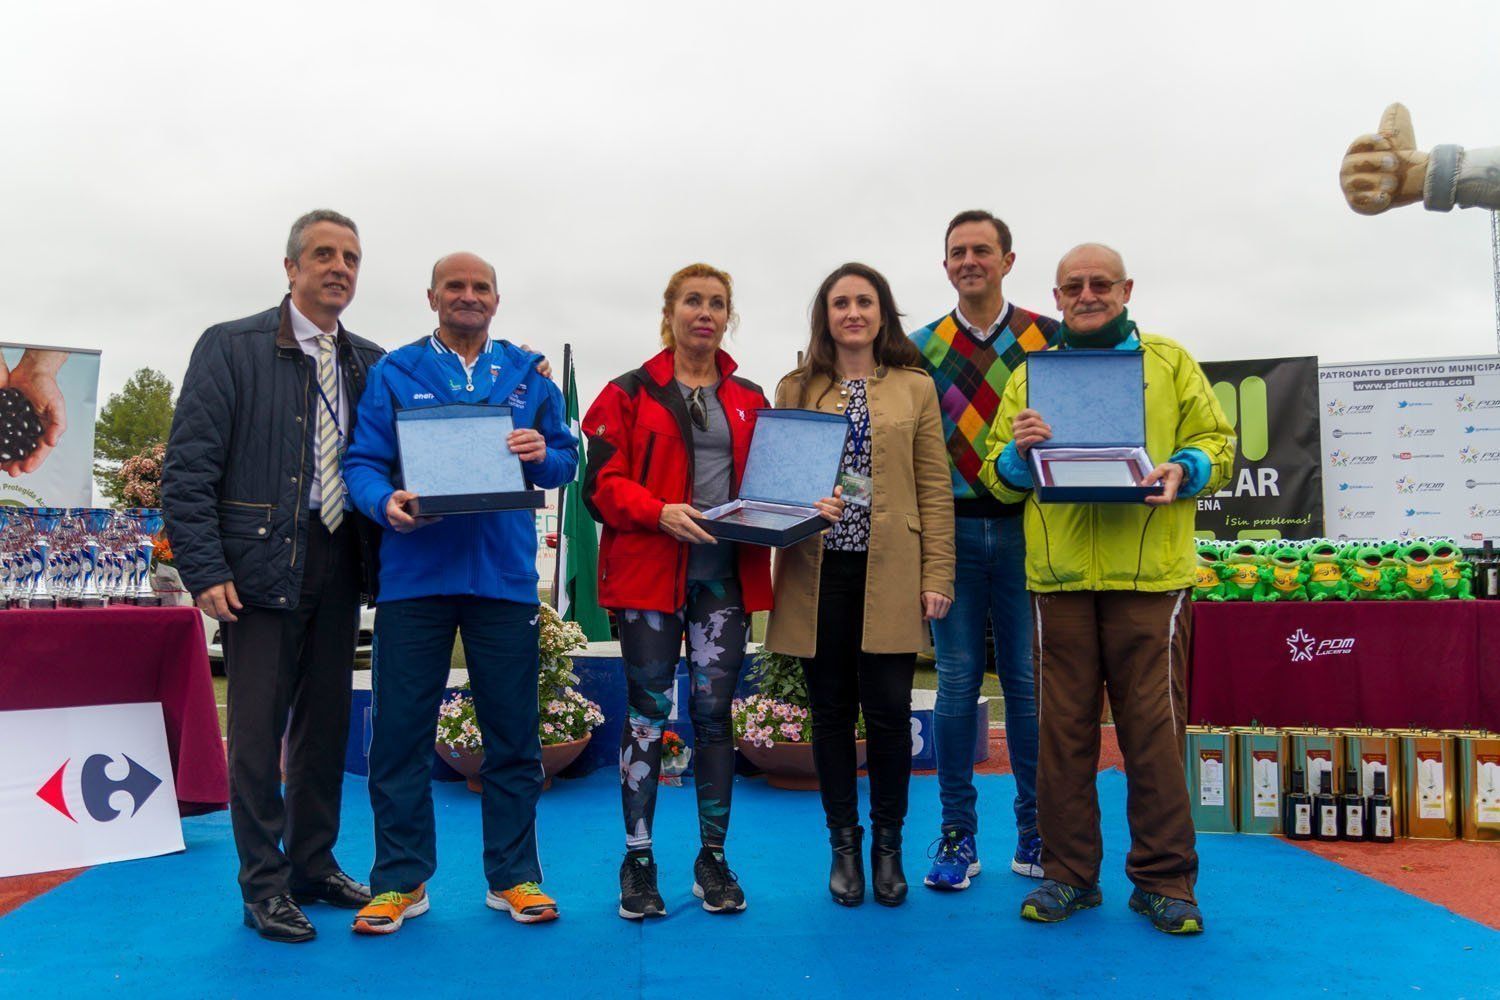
(268, 543)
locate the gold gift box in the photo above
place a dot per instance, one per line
(1429, 771)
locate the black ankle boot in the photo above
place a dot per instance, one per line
(885, 865)
(846, 879)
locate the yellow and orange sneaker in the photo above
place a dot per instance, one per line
(525, 902)
(388, 911)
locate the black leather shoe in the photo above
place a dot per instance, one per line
(279, 919)
(885, 865)
(337, 889)
(846, 879)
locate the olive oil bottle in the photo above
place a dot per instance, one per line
(1298, 824)
(1351, 808)
(1382, 816)
(1325, 809)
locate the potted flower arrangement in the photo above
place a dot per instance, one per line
(675, 754)
(773, 728)
(140, 486)
(565, 717)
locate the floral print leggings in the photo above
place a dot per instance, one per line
(716, 625)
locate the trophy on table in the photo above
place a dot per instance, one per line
(147, 523)
(43, 523)
(94, 522)
(118, 536)
(10, 569)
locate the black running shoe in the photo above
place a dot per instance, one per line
(638, 894)
(715, 884)
(1175, 916)
(1053, 901)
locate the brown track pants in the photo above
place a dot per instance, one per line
(1135, 646)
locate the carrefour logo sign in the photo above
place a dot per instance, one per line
(87, 785)
(97, 788)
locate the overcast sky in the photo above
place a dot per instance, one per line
(156, 153)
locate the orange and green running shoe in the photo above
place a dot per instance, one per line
(526, 903)
(388, 911)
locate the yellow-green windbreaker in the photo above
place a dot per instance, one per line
(1123, 546)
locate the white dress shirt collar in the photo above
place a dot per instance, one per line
(995, 327)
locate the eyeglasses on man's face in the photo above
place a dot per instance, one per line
(1099, 286)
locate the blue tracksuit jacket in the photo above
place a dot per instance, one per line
(484, 555)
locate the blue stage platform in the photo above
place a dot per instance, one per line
(1281, 921)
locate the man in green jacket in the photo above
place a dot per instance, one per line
(1109, 587)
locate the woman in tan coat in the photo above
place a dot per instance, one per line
(853, 602)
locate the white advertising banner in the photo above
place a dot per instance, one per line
(85, 786)
(48, 396)
(1412, 448)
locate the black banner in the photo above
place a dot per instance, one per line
(1277, 487)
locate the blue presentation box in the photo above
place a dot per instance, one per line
(793, 463)
(1095, 403)
(455, 458)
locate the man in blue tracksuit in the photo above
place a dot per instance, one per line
(472, 573)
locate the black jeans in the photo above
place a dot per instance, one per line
(842, 680)
(290, 672)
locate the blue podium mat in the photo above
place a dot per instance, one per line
(1281, 921)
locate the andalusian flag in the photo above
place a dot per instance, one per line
(577, 590)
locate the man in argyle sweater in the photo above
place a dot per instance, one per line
(970, 353)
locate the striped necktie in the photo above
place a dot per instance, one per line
(329, 475)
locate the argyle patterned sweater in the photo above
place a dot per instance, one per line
(970, 377)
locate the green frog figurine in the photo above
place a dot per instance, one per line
(1284, 575)
(1209, 571)
(1365, 572)
(1325, 574)
(1242, 562)
(1419, 579)
(1453, 571)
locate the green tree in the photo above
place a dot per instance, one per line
(131, 421)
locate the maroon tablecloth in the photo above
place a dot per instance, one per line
(115, 656)
(1388, 664)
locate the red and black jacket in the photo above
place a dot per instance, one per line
(640, 459)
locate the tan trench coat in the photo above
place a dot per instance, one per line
(911, 521)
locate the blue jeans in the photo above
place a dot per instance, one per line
(413, 646)
(990, 583)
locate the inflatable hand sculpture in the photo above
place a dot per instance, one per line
(1385, 169)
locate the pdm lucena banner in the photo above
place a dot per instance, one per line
(1413, 448)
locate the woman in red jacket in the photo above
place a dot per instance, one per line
(666, 441)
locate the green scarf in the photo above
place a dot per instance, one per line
(1107, 337)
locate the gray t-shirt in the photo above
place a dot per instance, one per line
(713, 475)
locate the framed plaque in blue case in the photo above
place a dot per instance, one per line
(793, 463)
(1095, 403)
(455, 459)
